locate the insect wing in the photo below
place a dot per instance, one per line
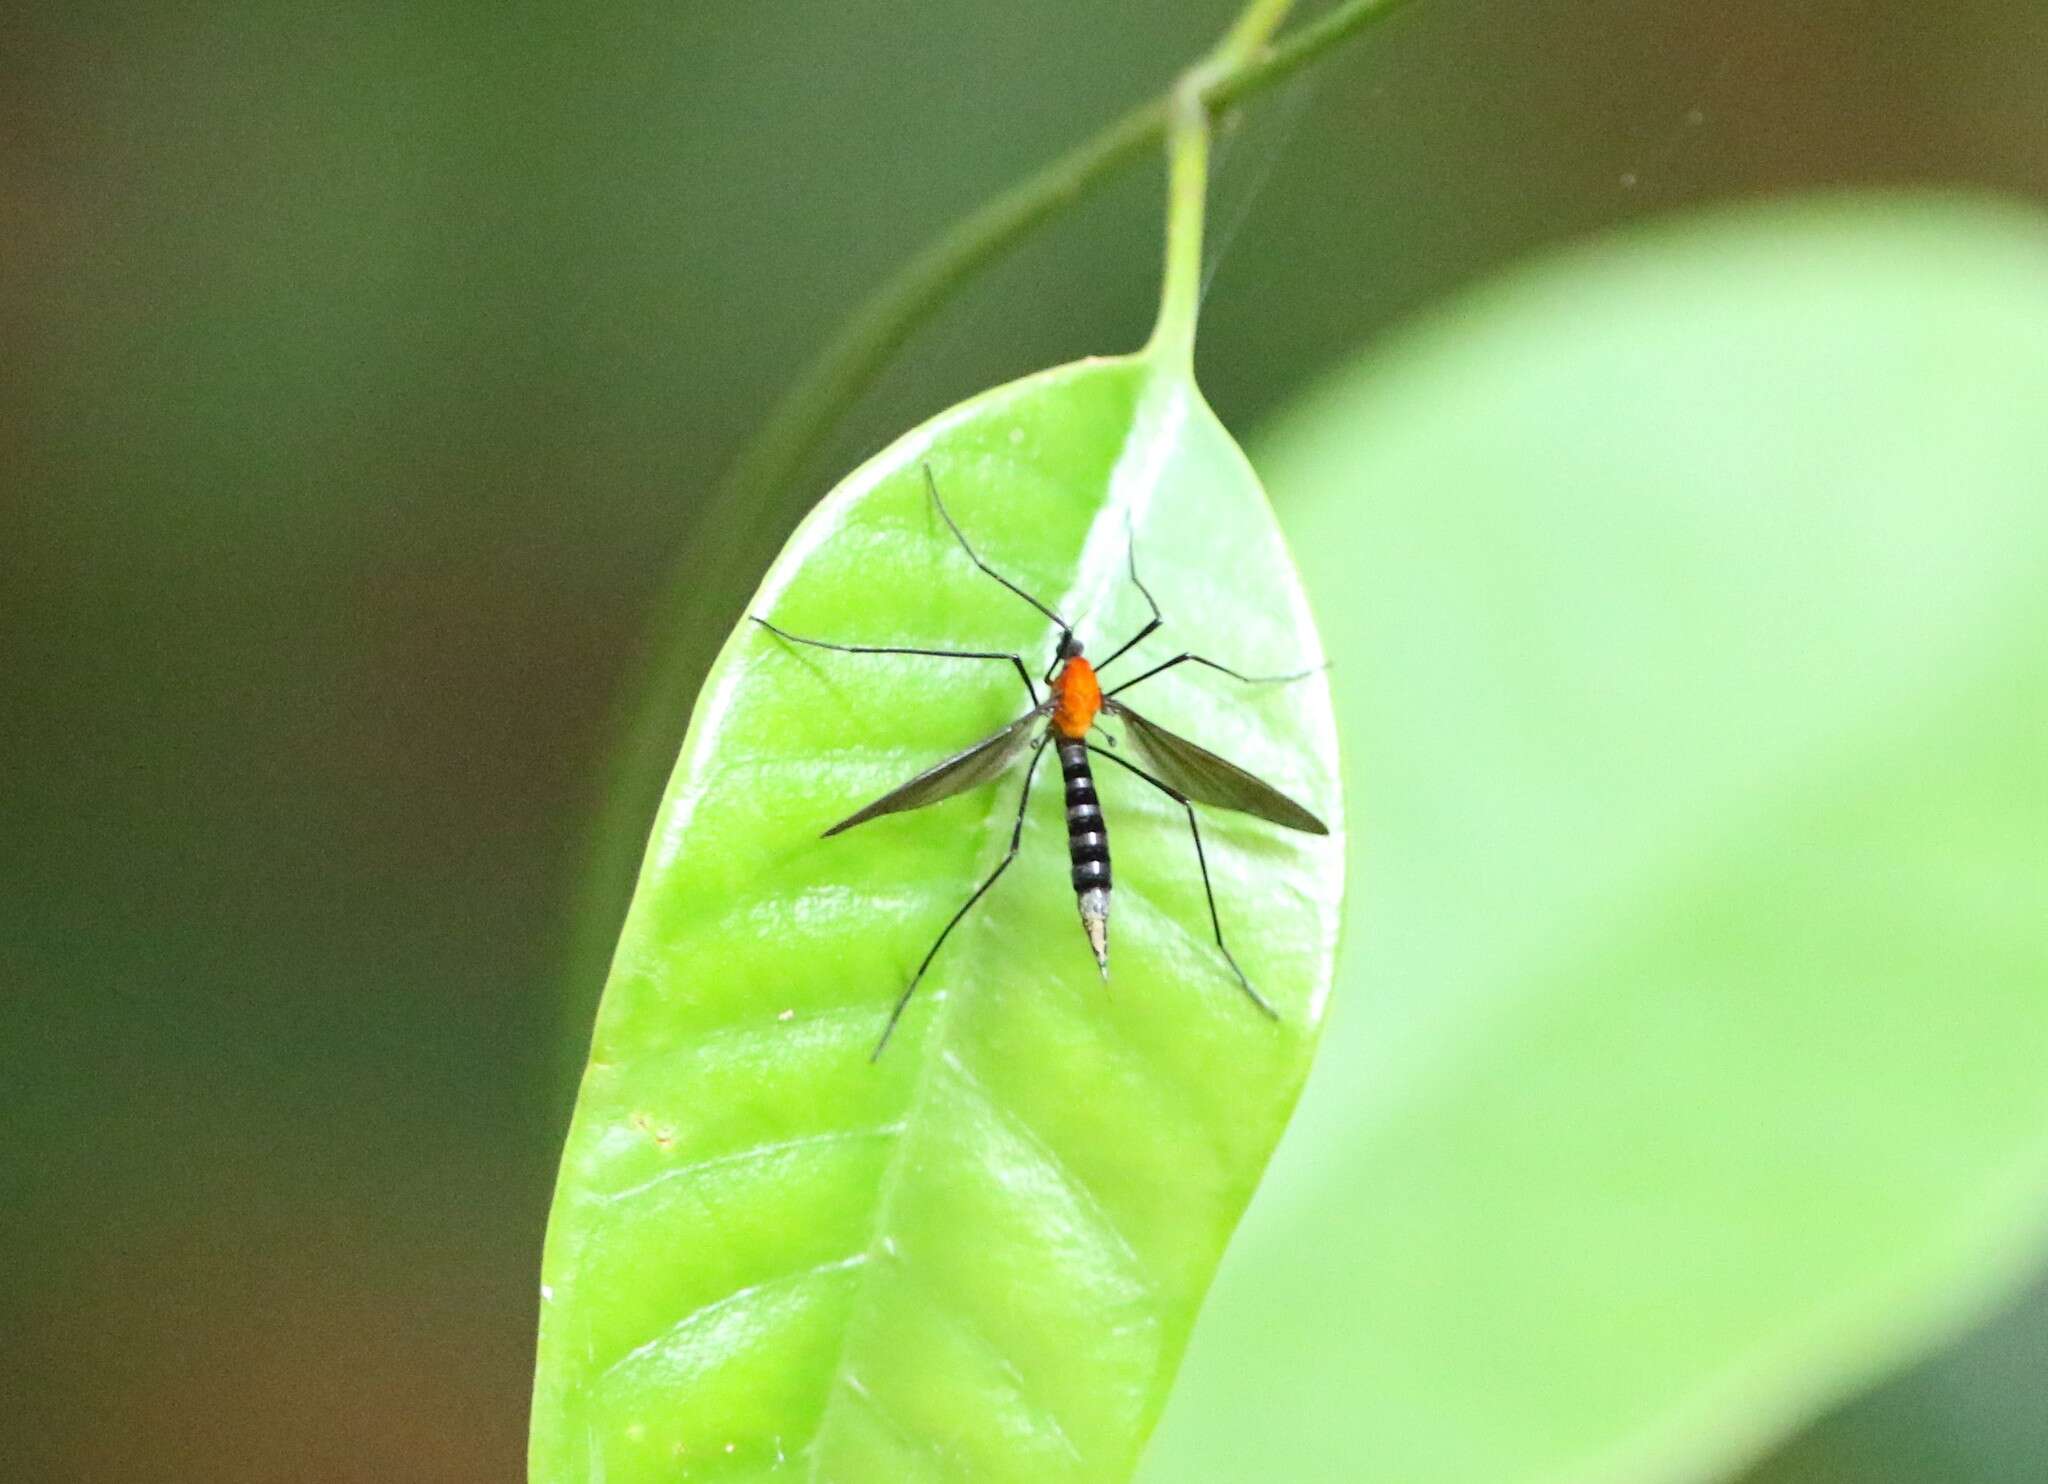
(1209, 779)
(958, 773)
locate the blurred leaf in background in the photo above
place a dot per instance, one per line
(364, 368)
(1694, 596)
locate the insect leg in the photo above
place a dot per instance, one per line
(1151, 602)
(1196, 659)
(938, 654)
(932, 484)
(1202, 860)
(1016, 839)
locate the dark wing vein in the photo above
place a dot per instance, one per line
(1209, 779)
(983, 761)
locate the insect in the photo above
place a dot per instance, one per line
(1064, 720)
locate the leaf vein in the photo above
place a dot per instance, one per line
(708, 1313)
(1077, 1187)
(965, 1324)
(758, 1151)
(882, 1413)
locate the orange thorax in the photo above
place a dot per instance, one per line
(1076, 698)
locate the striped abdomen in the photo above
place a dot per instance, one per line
(1087, 847)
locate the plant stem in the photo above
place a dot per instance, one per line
(1245, 62)
(1252, 29)
(1296, 50)
(1187, 193)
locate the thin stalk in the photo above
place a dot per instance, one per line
(1252, 30)
(1246, 62)
(1187, 190)
(1187, 195)
(1292, 52)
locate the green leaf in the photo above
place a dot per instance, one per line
(978, 1257)
(1689, 599)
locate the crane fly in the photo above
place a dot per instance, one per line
(1063, 720)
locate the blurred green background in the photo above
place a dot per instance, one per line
(366, 373)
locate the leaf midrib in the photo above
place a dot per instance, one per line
(937, 1051)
